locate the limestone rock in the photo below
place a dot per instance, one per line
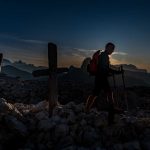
(6, 107)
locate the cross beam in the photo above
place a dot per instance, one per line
(45, 72)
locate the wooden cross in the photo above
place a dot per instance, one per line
(52, 73)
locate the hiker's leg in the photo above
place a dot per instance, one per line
(107, 90)
(91, 99)
(97, 89)
(89, 103)
(110, 101)
(111, 113)
(92, 102)
(112, 109)
(110, 97)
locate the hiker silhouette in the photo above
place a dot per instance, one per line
(103, 71)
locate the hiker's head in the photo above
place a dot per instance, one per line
(109, 48)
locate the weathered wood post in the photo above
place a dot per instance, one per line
(53, 90)
(1, 58)
(51, 72)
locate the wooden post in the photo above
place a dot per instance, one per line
(1, 58)
(52, 73)
(53, 90)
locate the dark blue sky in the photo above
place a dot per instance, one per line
(77, 27)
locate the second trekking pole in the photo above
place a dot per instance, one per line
(124, 88)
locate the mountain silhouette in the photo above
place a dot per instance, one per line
(15, 72)
(133, 75)
(26, 67)
(6, 62)
(22, 65)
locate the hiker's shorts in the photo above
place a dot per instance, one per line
(101, 83)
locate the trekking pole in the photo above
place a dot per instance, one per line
(115, 88)
(125, 94)
(114, 81)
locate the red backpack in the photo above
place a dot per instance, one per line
(92, 67)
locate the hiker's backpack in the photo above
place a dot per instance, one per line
(92, 67)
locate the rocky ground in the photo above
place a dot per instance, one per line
(25, 91)
(33, 91)
(25, 124)
(28, 127)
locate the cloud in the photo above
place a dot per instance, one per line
(35, 51)
(119, 57)
(30, 51)
(119, 53)
(85, 50)
(33, 41)
(73, 56)
(5, 38)
(28, 56)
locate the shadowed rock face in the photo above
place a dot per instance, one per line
(70, 128)
(86, 61)
(15, 72)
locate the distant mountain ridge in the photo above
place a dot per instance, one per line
(131, 67)
(15, 72)
(23, 70)
(22, 65)
(30, 67)
(6, 62)
(133, 75)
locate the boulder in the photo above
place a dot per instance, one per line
(45, 124)
(15, 125)
(133, 145)
(61, 130)
(6, 108)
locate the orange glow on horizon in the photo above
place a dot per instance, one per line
(67, 61)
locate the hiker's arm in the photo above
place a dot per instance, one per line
(113, 71)
(106, 66)
(104, 63)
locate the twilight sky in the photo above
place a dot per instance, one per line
(78, 27)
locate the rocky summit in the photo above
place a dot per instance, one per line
(28, 127)
(25, 123)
